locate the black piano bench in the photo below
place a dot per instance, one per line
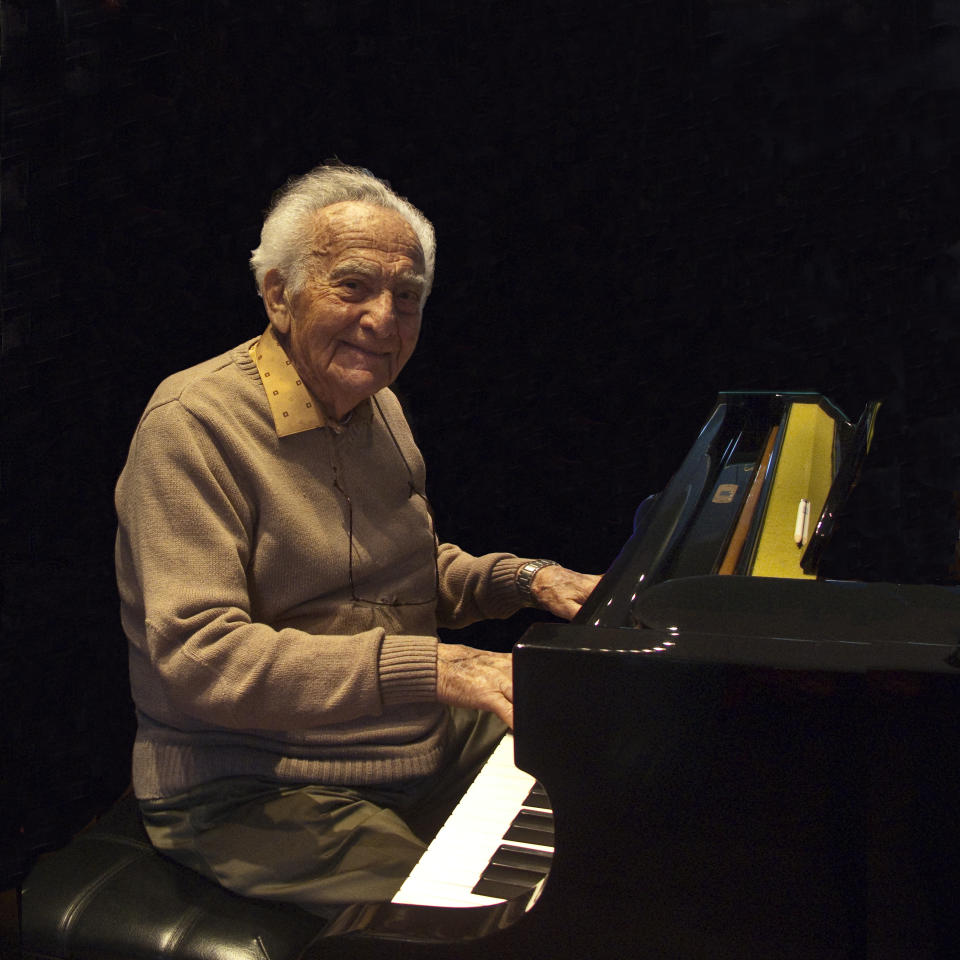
(108, 895)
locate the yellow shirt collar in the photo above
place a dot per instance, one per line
(293, 406)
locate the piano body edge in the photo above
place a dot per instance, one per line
(418, 923)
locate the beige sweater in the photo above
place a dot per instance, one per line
(256, 647)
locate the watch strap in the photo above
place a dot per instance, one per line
(525, 577)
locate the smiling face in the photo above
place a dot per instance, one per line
(354, 322)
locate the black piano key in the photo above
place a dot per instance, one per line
(531, 826)
(537, 797)
(534, 860)
(497, 888)
(506, 877)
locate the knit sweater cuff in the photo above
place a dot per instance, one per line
(504, 598)
(408, 670)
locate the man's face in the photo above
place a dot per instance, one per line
(353, 324)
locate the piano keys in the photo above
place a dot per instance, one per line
(497, 844)
(739, 765)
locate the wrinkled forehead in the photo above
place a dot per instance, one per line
(352, 225)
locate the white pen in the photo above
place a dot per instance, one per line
(802, 528)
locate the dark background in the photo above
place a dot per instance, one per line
(637, 205)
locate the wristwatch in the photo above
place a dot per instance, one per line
(525, 577)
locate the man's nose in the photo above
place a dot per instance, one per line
(380, 317)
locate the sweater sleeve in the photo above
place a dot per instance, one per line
(476, 588)
(185, 538)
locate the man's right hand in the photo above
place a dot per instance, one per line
(467, 677)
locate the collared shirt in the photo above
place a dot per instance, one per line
(293, 406)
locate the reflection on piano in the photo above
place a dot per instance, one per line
(744, 761)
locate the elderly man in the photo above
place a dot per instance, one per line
(302, 733)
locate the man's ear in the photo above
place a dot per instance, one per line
(277, 307)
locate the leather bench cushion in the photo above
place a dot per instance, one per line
(108, 895)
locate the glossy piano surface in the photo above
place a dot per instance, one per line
(758, 796)
(723, 796)
(739, 767)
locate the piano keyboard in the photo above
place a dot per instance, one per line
(497, 843)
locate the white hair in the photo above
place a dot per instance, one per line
(288, 227)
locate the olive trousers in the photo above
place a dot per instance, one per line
(314, 845)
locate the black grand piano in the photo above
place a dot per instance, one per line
(744, 760)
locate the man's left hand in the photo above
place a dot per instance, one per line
(562, 591)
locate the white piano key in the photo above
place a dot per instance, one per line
(434, 894)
